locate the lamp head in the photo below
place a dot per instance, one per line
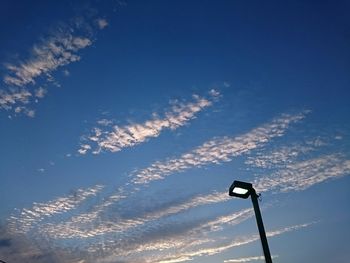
(241, 189)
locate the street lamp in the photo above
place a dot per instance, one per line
(244, 190)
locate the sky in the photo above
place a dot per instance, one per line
(123, 124)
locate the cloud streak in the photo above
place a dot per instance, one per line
(133, 134)
(304, 174)
(163, 237)
(27, 218)
(216, 249)
(214, 151)
(89, 224)
(86, 225)
(102, 231)
(218, 150)
(247, 259)
(278, 158)
(55, 51)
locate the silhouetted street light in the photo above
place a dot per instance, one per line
(244, 190)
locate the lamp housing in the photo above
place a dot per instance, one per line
(241, 189)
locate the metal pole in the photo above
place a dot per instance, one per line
(261, 228)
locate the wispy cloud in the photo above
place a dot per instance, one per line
(278, 158)
(283, 155)
(248, 259)
(19, 248)
(214, 151)
(102, 23)
(216, 249)
(23, 222)
(102, 231)
(219, 150)
(87, 225)
(13, 97)
(126, 136)
(55, 51)
(303, 174)
(160, 236)
(40, 92)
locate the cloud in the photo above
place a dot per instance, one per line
(23, 222)
(13, 96)
(214, 93)
(199, 200)
(338, 137)
(90, 224)
(168, 238)
(191, 254)
(40, 92)
(66, 72)
(304, 174)
(84, 148)
(59, 49)
(103, 233)
(102, 23)
(186, 249)
(248, 259)
(214, 151)
(24, 110)
(219, 150)
(280, 157)
(105, 122)
(227, 84)
(162, 237)
(54, 52)
(87, 225)
(133, 134)
(19, 248)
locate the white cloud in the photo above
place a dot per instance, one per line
(280, 157)
(87, 225)
(196, 232)
(133, 134)
(215, 197)
(101, 23)
(24, 110)
(338, 137)
(9, 98)
(214, 151)
(84, 148)
(248, 259)
(304, 174)
(66, 72)
(214, 93)
(40, 92)
(227, 84)
(190, 254)
(23, 222)
(218, 150)
(55, 52)
(187, 247)
(105, 122)
(183, 236)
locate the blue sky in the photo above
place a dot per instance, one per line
(123, 124)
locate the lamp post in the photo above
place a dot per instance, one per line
(244, 190)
